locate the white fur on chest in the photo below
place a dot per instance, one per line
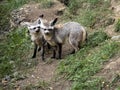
(50, 40)
(59, 39)
(34, 37)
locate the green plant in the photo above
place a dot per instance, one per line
(47, 3)
(87, 18)
(13, 50)
(96, 38)
(73, 6)
(41, 85)
(117, 26)
(89, 13)
(80, 68)
(118, 88)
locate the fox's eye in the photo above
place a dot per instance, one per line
(34, 28)
(45, 29)
(49, 29)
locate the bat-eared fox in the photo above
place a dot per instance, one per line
(57, 36)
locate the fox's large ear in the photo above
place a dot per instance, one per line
(40, 19)
(53, 22)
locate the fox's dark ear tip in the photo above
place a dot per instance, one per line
(56, 18)
(41, 16)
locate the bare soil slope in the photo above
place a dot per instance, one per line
(111, 69)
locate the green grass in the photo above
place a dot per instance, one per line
(15, 57)
(13, 51)
(95, 38)
(46, 3)
(15, 46)
(118, 88)
(73, 6)
(81, 67)
(117, 26)
(41, 85)
(90, 13)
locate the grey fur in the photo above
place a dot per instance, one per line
(73, 31)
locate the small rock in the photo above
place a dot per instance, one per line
(21, 8)
(38, 77)
(50, 88)
(15, 74)
(33, 76)
(11, 62)
(29, 64)
(116, 38)
(4, 81)
(105, 0)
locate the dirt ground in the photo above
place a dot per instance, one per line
(110, 73)
(46, 71)
(115, 7)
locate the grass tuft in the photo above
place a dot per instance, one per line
(47, 3)
(117, 26)
(13, 52)
(41, 85)
(95, 38)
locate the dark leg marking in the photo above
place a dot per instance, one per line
(59, 51)
(35, 51)
(54, 52)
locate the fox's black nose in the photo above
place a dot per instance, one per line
(47, 33)
(37, 30)
(38, 27)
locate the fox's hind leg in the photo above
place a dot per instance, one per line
(59, 51)
(54, 52)
(74, 44)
